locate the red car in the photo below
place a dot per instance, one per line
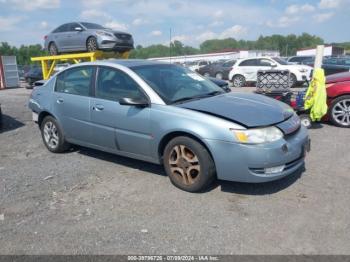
(338, 93)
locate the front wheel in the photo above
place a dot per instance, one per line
(91, 44)
(238, 81)
(340, 111)
(53, 136)
(188, 164)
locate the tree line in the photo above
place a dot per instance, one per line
(286, 45)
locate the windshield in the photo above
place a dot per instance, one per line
(175, 83)
(280, 61)
(92, 26)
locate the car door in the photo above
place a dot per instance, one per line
(266, 64)
(68, 39)
(72, 102)
(118, 127)
(75, 38)
(249, 68)
(59, 36)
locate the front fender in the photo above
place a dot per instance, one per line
(338, 89)
(171, 119)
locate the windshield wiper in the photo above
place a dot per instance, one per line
(183, 99)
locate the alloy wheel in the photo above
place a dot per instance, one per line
(92, 44)
(341, 112)
(184, 164)
(238, 81)
(51, 135)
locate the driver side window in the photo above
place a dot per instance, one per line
(114, 85)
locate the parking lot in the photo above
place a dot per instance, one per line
(90, 202)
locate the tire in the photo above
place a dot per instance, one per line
(53, 49)
(305, 120)
(238, 81)
(292, 81)
(52, 135)
(219, 75)
(339, 111)
(194, 170)
(91, 44)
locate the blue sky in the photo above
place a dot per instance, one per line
(192, 21)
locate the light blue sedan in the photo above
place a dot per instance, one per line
(165, 114)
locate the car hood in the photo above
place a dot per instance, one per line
(249, 110)
(109, 30)
(340, 77)
(291, 66)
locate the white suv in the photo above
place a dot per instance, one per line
(196, 65)
(245, 70)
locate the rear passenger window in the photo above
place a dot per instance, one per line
(75, 81)
(250, 62)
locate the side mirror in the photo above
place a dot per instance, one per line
(78, 28)
(137, 102)
(273, 65)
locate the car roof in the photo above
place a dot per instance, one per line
(129, 63)
(132, 62)
(256, 57)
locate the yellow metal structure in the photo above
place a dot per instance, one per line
(48, 63)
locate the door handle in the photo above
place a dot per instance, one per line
(98, 107)
(59, 101)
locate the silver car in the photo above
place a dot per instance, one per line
(167, 114)
(82, 36)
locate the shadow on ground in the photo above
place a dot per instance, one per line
(120, 160)
(261, 188)
(316, 125)
(230, 187)
(9, 123)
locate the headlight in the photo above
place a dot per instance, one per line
(258, 135)
(303, 70)
(103, 33)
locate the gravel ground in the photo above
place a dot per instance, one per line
(89, 202)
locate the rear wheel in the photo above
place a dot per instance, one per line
(340, 111)
(53, 49)
(53, 136)
(188, 164)
(238, 81)
(91, 44)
